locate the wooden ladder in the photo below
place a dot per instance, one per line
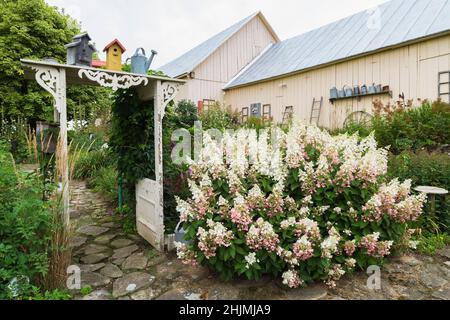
(315, 110)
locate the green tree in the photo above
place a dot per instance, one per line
(34, 30)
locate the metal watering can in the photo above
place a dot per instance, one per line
(179, 234)
(140, 63)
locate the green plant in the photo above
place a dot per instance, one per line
(105, 182)
(134, 149)
(425, 169)
(128, 219)
(90, 162)
(362, 129)
(51, 295)
(26, 228)
(219, 117)
(86, 290)
(35, 30)
(309, 206)
(257, 123)
(412, 128)
(186, 111)
(429, 243)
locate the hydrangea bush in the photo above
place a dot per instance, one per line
(303, 204)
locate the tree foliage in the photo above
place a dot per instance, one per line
(31, 29)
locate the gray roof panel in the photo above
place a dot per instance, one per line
(401, 21)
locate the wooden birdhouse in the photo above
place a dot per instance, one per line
(80, 50)
(114, 51)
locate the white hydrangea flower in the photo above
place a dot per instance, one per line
(251, 259)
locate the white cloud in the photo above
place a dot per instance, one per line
(174, 26)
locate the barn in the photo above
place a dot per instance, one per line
(208, 67)
(397, 51)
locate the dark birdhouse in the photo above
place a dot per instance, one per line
(80, 50)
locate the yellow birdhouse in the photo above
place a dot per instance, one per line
(114, 52)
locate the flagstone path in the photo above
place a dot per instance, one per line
(121, 266)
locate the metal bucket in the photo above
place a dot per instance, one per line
(334, 93)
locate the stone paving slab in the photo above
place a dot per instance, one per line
(131, 283)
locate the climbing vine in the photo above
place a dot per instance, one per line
(132, 143)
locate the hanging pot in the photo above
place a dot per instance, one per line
(372, 89)
(356, 91)
(341, 93)
(378, 88)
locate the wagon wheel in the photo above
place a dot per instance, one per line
(359, 117)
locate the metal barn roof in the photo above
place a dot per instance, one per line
(399, 21)
(191, 59)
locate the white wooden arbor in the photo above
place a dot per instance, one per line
(54, 77)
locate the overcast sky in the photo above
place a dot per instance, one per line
(172, 27)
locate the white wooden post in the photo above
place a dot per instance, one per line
(53, 80)
(159, 176)
(64, 152)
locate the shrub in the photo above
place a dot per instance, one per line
(362, 129)
(90, 162)
(310, 207)
(26, 227)
(426, 169)
(412, 128)
(219, 117)
(187, 113)
(105, 182)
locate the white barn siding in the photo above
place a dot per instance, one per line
(411, 69)
(232, 56)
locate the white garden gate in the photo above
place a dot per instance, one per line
(54, 77)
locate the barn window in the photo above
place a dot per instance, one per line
(267, 112)
(207, 103)
(244, 114)
(288, 113)
(444, 86)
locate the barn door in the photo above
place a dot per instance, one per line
(149, 213)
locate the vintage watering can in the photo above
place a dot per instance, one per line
(348, 91)
(334, 93)
(363, 89)
(179, 234)
(140, 63)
